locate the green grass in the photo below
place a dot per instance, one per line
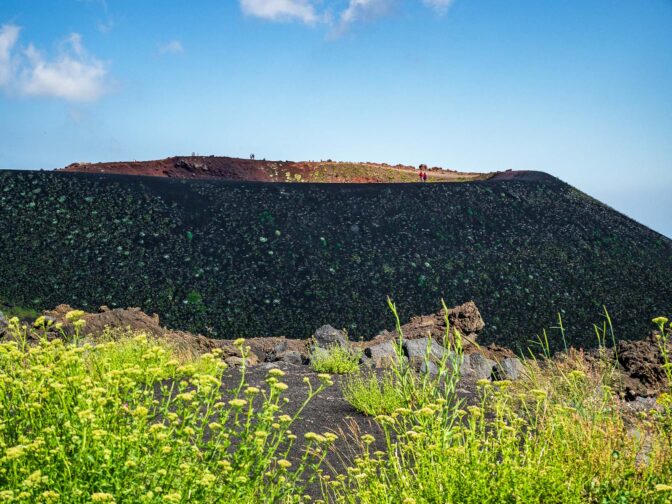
(21, 312)
(372, 394)
(400, 386)
(131, 420)
(335, 360)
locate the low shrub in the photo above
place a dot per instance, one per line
(335, 360)
(20, 312)
(373, 394)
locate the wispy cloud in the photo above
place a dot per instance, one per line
(9, 35)
(105, 27)
(72, 74)
(281, 10)
(440, 6)
(172, 47)
(332, 13)
(363, 10)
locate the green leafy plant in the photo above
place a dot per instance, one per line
(21, 312)
(335, 360)
(373, 394)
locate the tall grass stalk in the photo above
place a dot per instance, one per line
(556, 436)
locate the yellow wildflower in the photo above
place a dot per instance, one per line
(102, 497)
(74, 315)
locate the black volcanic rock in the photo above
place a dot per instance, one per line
(233, 259)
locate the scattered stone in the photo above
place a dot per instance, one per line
(234, 361)
(644, 404)
(416, 351)
(280, 347)
(641, 366)
(328, 336)
(318, 353)
(478, 367)
(510, 368)
(269, 349)
(464, 318)
(290, 357)
(641, 376)
(382, 355)
(430, 368)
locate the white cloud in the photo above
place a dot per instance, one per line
(106, 27)
(353, 12)
(365, 10)
(281, 10)
(9, 34)
(172, 47)
(72, 74)
(440, 6)
(362, 10)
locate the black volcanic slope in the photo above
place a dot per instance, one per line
(241, 259)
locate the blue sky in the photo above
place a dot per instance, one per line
(581, 89)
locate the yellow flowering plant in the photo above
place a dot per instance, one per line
(130, 419)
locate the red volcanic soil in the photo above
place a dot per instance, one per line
(227, 168)
(180, 167)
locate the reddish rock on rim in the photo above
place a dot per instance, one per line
(227, 168)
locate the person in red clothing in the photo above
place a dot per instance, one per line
(424, 176)
(420, 174)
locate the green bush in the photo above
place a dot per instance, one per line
(19, 311)
(335, 360)
(372, 394)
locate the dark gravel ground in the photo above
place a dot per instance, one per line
(327, 412)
